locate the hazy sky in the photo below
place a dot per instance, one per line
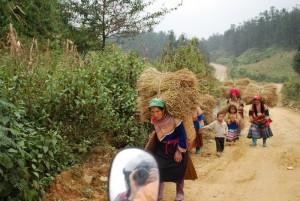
(203, 18)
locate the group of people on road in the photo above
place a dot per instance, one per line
(230, 123)
(171, 151)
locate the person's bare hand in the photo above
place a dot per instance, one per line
(178, 156)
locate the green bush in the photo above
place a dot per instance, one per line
(92, 102)
(29, 157)
(60, 108)
(291, 90)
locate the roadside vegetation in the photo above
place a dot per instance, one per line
(66, 90)
(58, 105)
(276, 68)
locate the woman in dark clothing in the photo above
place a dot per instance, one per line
(170, 152)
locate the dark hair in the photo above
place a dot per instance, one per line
(219, 113)
(262, 108)
(160, 108)
(232, 106)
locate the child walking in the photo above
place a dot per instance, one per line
(233, 120)
(220, 129)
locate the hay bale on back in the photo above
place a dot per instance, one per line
(268, 91)
(224, 109)
(148, 83)
(229, 83)
(179, 92)
(189, 127)
(207, 103)
(243, 82)
(225, 91)
(240, 84)
(270, 95)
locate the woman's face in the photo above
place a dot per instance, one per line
(157, 113)
(256, 101)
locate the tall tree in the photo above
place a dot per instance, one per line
(115, 18)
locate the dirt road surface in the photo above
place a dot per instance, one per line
(220, 71)
(248, 173)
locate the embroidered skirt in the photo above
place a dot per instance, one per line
(232, 134)
(259, 131)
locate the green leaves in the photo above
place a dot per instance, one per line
(56, 111)
(26, 155)
(114, 18)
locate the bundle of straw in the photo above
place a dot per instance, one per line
(229, 83)
(243, 82)
(179, 92)
(225, 91)
(207, 103)
(189, 127)
(240, 84)
(268, 92)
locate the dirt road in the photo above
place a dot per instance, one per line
(243, 172)
(220, 71)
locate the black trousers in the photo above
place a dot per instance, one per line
(220, 143)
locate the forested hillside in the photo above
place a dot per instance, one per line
(270, 32)
(151, 45)
(272, 27)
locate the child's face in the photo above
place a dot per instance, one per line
(232, 110)
(220, 117)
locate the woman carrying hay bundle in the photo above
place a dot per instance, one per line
(170, 152)
(260, 121)
(233, 121)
